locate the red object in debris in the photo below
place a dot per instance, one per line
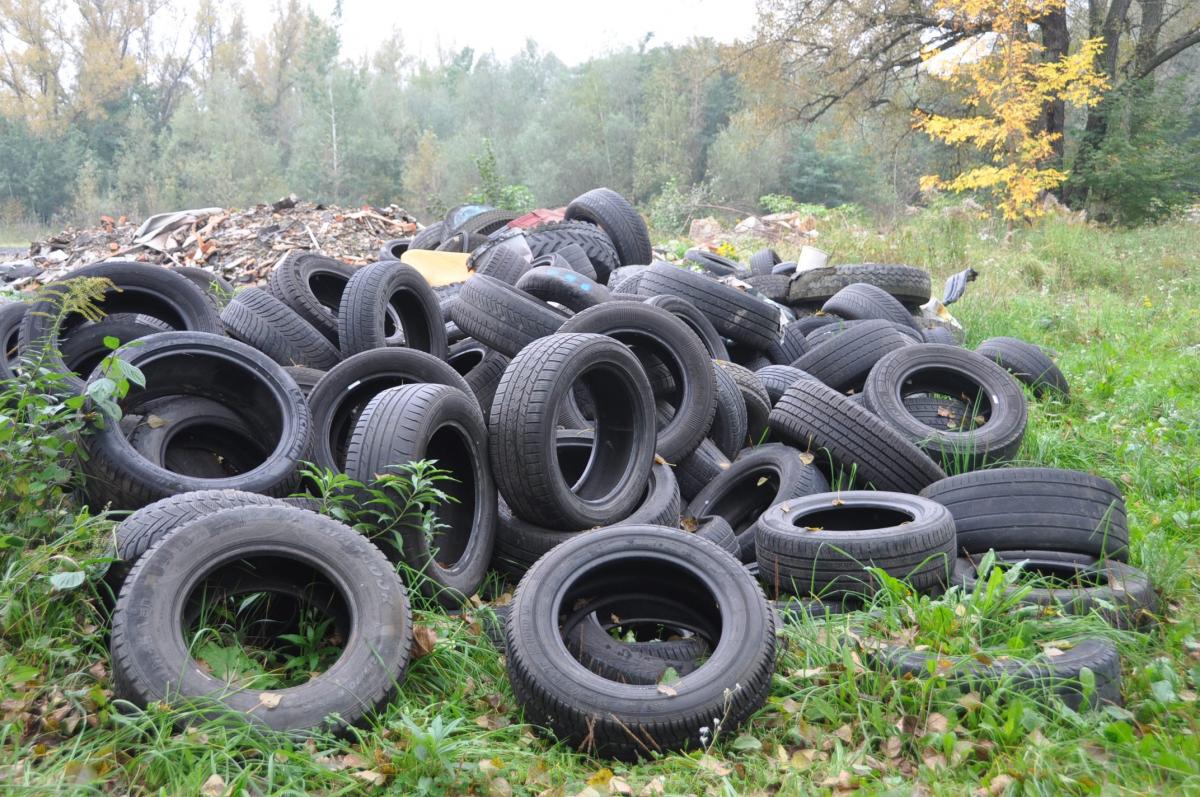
(536, 218)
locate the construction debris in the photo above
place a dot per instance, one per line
(239, 245)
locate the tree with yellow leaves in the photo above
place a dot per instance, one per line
(1007, 84)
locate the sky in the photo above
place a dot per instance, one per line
(574, 32)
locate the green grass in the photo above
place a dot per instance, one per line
(1121, 310)
(18, 236)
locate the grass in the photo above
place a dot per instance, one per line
(1120, 309)
(18, 235)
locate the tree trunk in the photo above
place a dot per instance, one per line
(1056, 38)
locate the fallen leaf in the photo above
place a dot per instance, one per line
(934, 760)
(715, 766)
(669, 691)
(999, 784)
(618, 786)
(499, 787)
(970, 701)
(806, 458)
(891, 748)
(269, 699)
(371, 776)
(600, 778)
(155, 422)
(214, 786)
(936, 723)
(653, 788)
(424, 640)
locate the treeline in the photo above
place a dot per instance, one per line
(135, 106)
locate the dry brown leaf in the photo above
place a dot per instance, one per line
(652, 789)
(499, 787)
(269, 699)
(424, 641)
(715, 766)
(371, 776)
(669, 691)
(892, 747)
(618, 786)
(937, 723)
(970, 701)
(214, 786)
(933, 760)
(807, 458)
(999, 784)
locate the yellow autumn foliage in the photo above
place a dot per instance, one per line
(1007, 89)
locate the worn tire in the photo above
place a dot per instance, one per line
(776, 379)
(588, 237)
(1028, 363)
(564, 287)
(843, 362)
(390, 296)
(257, 318)
(611, 719)
(758, 401)
(522, 431)
(730, 424)
(734, 314)
(686, 312)
(863, 302)
(150, 661)
(442, 424)
(502, 317)
(763, 261)
(791, 346)
(312, 285)
(1040, 509)
(845, 438)
(612, 213)
(822, 545)
(911, 286)
(12, 314)
(430, 237)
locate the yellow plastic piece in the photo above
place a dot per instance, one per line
(439, 268)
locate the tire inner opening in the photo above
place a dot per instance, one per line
(615, 432)
(350, 404)
(853, 518)
(131, 300)
(1061, 575)
(265, 622)
(746, 499)
(465, 361)
(456, 517)
(949, 383)
(406, 322)
(328, 287)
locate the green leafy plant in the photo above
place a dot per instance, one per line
(493, 189)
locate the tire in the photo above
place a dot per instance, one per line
(195, 436)
(395, 248)
(659, 339)
(442, 424)
(847, 440)
(1027, 363)
(1059, 676)
(951, 371)
(140, 531)
(213, 367)
(863, 302)
(938, 413)
(788, 268)
(734, 314)
(772, 286)
(699, 468)
(258, 319)
(940, 334)
(563, 287)
(86, 347)
(430, 237)
(313, 286)
(1035, 509)
(1121, 594)
(622, 223)
(730, 422)
(501, 317)
(218, 289)
(485, 378)
(778, 378)
(501, 262)
(821, 545)
(12, 314)
(632, 662)
(713, 263)
(911, 286)
(463, 242)
(791, 346)
(763, 261)
(390, 297)
(611, 719)
(844, 362)
(346, 389)
(625, 279)
(831, 331)
(759, 478)
(576, 259)
(150, 661)
(686, 312)
(716, 530)
(487, 222)
(522, 431)
(306, 378)
(137, 289)
(594, 241)
(758, 401)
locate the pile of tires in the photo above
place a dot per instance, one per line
(648, 450)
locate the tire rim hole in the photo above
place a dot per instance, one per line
(455, 517)
(853, 518)
(327, 288)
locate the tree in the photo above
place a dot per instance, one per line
(1006, 92)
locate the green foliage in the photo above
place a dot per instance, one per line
(1148, 167)
(493, 190)
(674, 208)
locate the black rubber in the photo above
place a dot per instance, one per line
(989, 391)
(763, 261)
(627, 721)
(758, 401)
(843, 362)
(791, 346)
(487, 222)
(213, 367)
(686, 312)
(788, 268)
(660, 340)
(911, 286)
(625, 279)
(730, 423)
(734, 314)
(759, 478)
(12, 314)
(218, 289)
(831, 331)
(620, 220)
(150, 661)
(312, 285)
(1121, 594)
(695, 471)
(573, 256)
(821, 545)
(863, 301)
(441, 424)
(340, 397)
(502, 261)
(713, 263)
(593, 240)
(194, 436)
(1029, 364)
(1042, 675)
(137, 289)
(1045, 509)
(776, 379)
(562, 286)
(305, 377)
(716, 530)
(639, 662)
(430, 237)
(939, 412)
(848, 442)
(939, 334)
(395, 248)
(390, 304)
(259, 319)
(86, 346)
(522, 431)
(484, 378)
(772, 286)
(501, 317)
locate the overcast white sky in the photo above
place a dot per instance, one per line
(574, 32)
